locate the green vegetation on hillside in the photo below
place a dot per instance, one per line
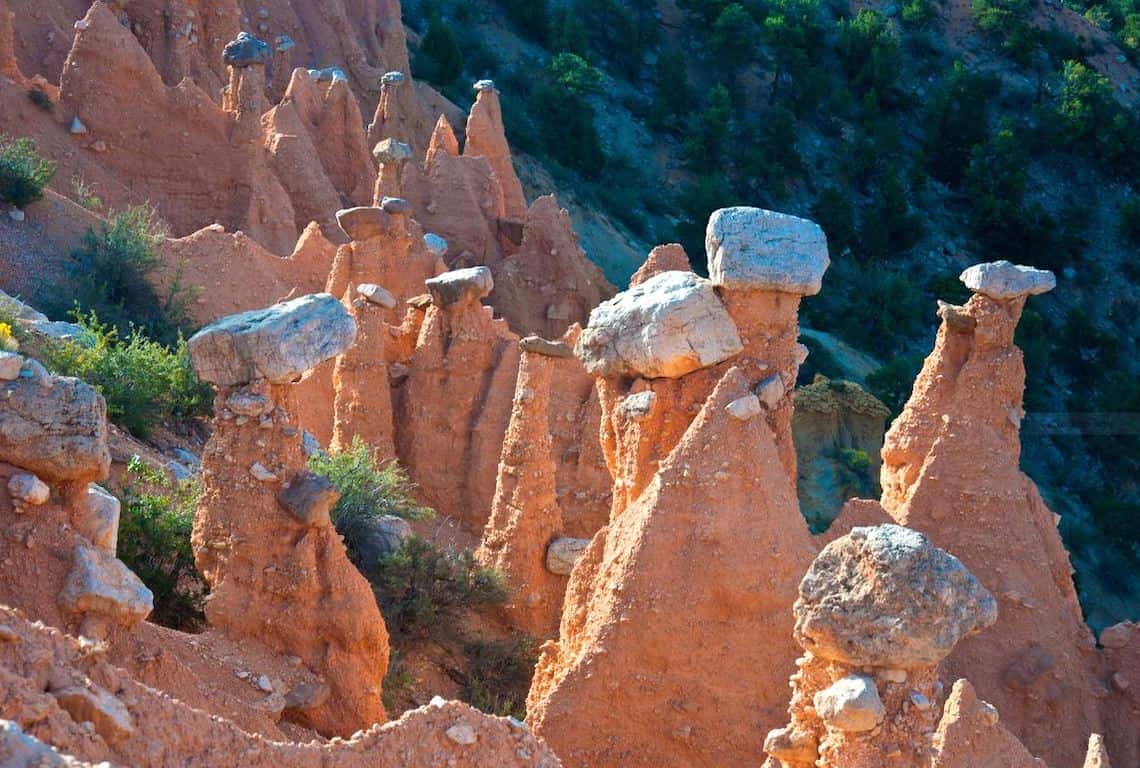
(24, 173)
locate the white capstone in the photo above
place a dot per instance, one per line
(1003, 280)
(756, 249)
(436, 245)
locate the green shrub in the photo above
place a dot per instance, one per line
(855, 459)
(368, 490)
(23, 172)
(419, 585)
(113, 275)
(38, 97)
(1130, 219)
(145, 383)
(894, 381)
(439, 59)
(499, 674)
(956, 120)
(154, 541)
(869, 51)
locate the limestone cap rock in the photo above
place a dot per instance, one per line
(395, 206)
(757, 249)
(484, 85)
(435, 244)
(669, 325)
(245, 50)
(391, 151)
(363, 222)
(395, 77)
(278, 343)
(1003, 280)
(459, 285)
(98, 583)
(884, 596)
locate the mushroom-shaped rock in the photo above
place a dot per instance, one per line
(484, 85)
(54, 427)
(279, 343)
(100, 584)
(391, 151)
(1003, 280)
(394, 77)
(460, 285)
(363, 222)
(245, 50)
(756, 249)
(436, 245)
(850, 704)
(669, 325)
(886, 597)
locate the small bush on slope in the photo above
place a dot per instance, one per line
(145, 383)
(499, 673)
(23, 172)
(154, 542)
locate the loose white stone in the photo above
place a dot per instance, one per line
(851, 703)
(744, 408)
(771, 390)
(28, 489)
(262, 474)
(462, 733)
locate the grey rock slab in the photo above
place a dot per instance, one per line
(279, 343)
(1003, 280)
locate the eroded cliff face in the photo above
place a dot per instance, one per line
(950, 470)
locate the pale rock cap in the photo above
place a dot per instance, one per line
(391, 151)
(756, 249)
(363, 222)
(1003, 280)
(669, 325)
(435, 244)
(450, 288)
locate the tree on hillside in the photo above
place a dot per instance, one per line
(956, 120)
(733, 39)
(439, 60)
(672, 97)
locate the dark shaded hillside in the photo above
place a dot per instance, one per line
(923, 136)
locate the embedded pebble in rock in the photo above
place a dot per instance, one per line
(1003, 280)
(436, 245)
(638, 405)
(363, 222)
(248, 404)
(391, 151)
(460, 286)
(671, 324)
(310, 445)
(108, 716)
(283, 43)
(279, 343)
(329, 74)
(756, 249)
(392, 78)
(771, 390)
(888, 571)
(28, 489)
(850, 704)
(10, 365)
(97, 518)
(77, 128)
(744, 408)
(462, 734)
(262, 474)
(541, 346)
(245, 50)
(563, 553)
(396, 206)
(376, 294)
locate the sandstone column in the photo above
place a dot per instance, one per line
(263, 539)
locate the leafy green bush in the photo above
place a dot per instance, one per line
(855, 459)
(956, 120)
(145, 383)
(499, 674)
(419, 584)
(566, 127)
(154, 541)
(113, 275)
(439, 59)
(368, 490)
(869, 51)
(23, 172)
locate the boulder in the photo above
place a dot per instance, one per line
(10, 365)
(395, 206)
(245, 50)
(59, 432)
(394, 77)
(391, 151)
(850, 704)
(381, 536)
(309, 498)
(363, 222)
(460, 286)
(756, 249)
(26, 488)
(377, 294)
(886, 597)
(102, 585)
(669, 325)
(1003, 280)
(563, 553)
(108, 716)
(96, 518)
(279, 343)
